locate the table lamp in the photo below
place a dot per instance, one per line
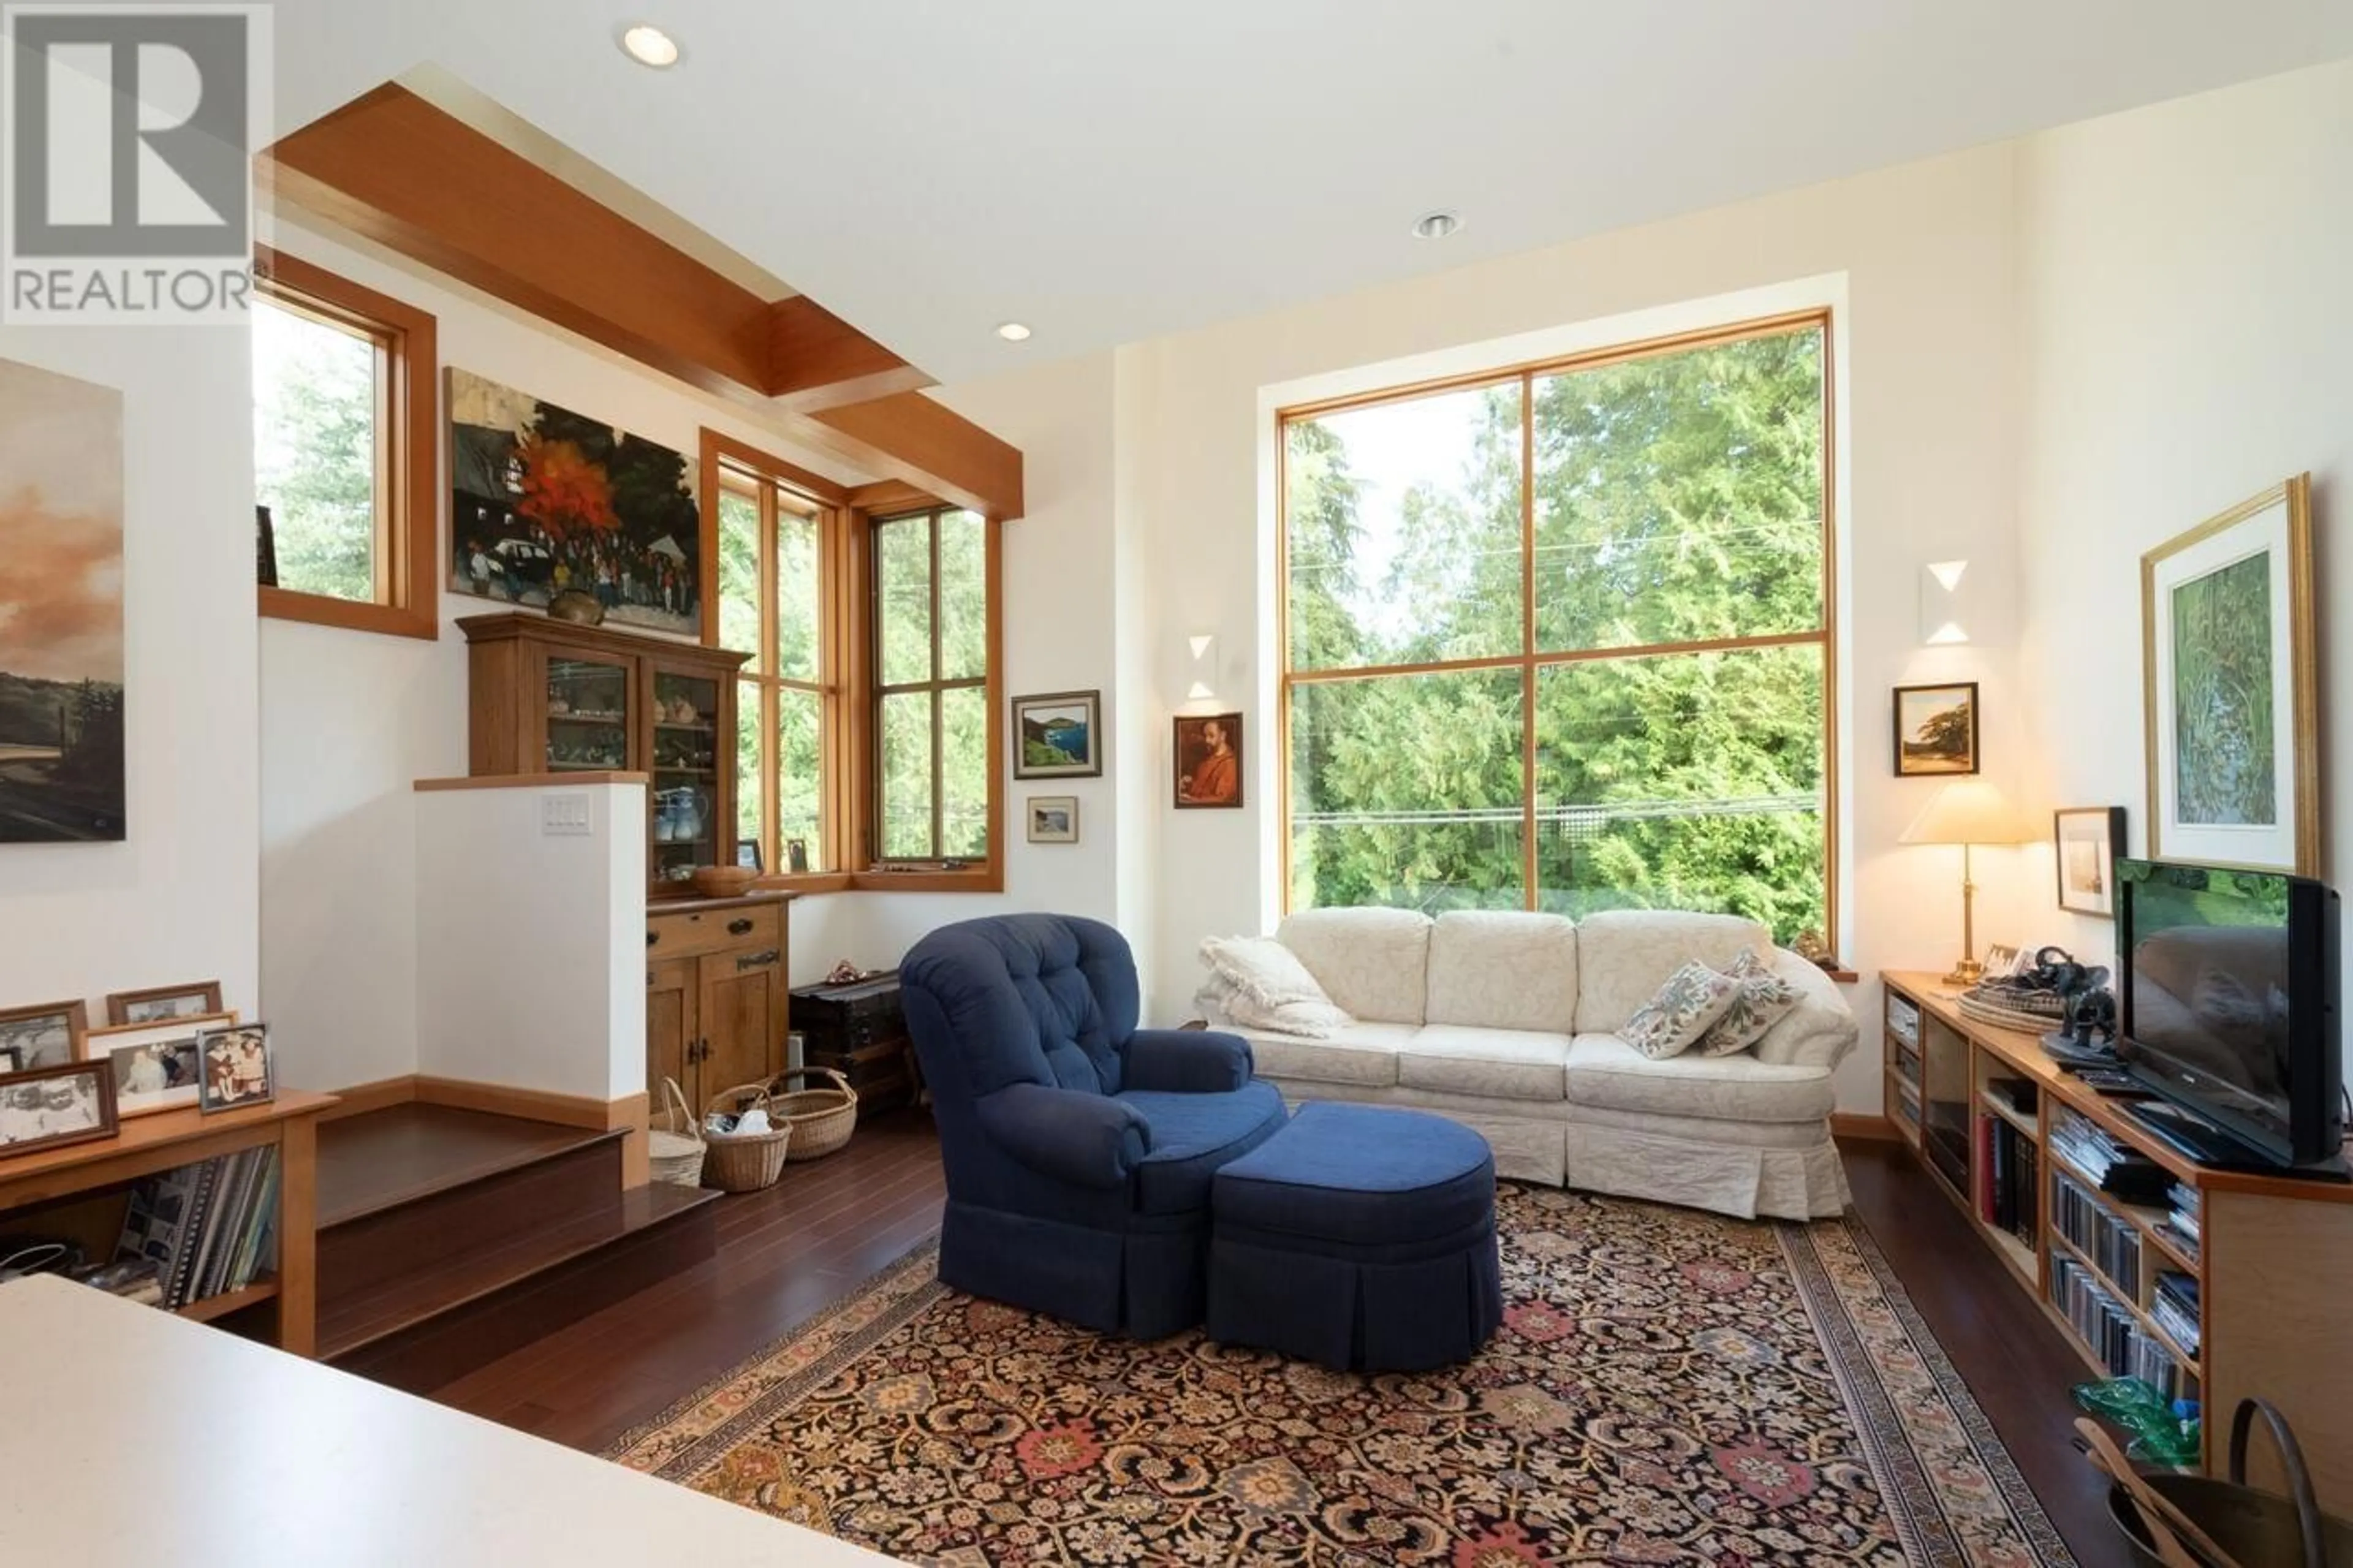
(1967, 812)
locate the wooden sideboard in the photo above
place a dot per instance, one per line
(716, 1004)
(81, 1190)
(2273, 1260)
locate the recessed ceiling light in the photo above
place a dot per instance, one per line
(1437, 225)
(650, 46)
(1012, 332)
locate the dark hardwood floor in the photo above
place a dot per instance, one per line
(787, 1253)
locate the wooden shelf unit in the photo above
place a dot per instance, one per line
(2275, 1259)
(83, 1188)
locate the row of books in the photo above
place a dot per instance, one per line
(2112, 1332)
(2008, 1170)
(2092, 1230)
(2173, 1307)
(208, 1227)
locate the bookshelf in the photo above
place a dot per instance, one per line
(81, 1190)
(2272, 1266)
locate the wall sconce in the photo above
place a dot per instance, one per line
(1201, 642)
(1943, 605)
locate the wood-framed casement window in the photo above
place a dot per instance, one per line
(936, 731)
(868, 726)
(345, 450)
(1562, 637)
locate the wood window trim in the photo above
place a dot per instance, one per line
(846, 552)
(408, 534)
(1530, 659)
(908, 877)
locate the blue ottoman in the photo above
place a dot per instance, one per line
(1359, 1238)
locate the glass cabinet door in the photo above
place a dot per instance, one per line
(587, 713)
(688, 800)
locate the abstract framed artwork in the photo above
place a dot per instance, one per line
(1058, 735)
(544, 500)
(1937, 730)
(2231, 688)
(2090, 840)
(61, 741)
(1208, 761)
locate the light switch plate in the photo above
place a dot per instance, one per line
(564, 814)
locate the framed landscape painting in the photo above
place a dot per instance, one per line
(2230, 689)
(61, 751)
(1937, 730)
(1058, 735)
(544, 500)
(2090, 840)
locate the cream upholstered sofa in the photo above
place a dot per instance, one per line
(1505, 1022)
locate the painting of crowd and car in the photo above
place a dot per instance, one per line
(545, 499)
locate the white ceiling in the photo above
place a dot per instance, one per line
(1110, 170)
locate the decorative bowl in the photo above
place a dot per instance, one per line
(723, 881)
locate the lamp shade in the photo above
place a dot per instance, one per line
(1967, 811)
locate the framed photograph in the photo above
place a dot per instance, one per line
(1935, 730)
(233, 1068)
(797, 856)
(1058, 735)
(46, 1036)
(71, 1102)
(1209, 759)
(161, 1004)
(1053, 819)
(747, 855)
(2230, 689)
(154, 1065)
(2091, 839)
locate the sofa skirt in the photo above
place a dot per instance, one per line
(1749, 1170)
(1146, 1283)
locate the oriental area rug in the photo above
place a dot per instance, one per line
(1668, 1388)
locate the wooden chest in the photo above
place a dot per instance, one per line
(857, 1029)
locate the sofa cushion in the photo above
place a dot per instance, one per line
(1503, 968)
(1604, 1070)
(1682, 1010)
(1820, 1030)
(1763, 1000)
(1192, 1135)
(1362, 1056)
(1495, 1064)
(1623, 956)
(1374, 964)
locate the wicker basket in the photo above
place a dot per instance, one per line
(744, 1162)
(821, 1118)
(675, 1156)
(2007, 1007)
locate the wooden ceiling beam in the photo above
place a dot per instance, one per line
(401, 171)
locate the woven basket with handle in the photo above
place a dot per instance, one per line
(674, 1152)
(744, 1162)
(823, 1118)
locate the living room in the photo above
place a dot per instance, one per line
(2010, 324)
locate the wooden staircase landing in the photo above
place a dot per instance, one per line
(447, 1238)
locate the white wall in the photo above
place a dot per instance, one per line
(2188, 339)
(1925, 254)
(175, 900)
(530, 946)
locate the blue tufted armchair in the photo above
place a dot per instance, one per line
(1079, 1147)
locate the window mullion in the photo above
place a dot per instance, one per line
(1530, 857)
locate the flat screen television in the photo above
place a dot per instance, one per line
(2228, 1004)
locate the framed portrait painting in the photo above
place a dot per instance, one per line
(1937, 730)
(1208, 761)
(2231, 688)
(2090, 840)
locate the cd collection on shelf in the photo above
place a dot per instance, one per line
(2173, 1307)
(2110, 1243)
(2181, 1220)
(2115, 1335)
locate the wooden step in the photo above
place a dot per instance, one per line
(435, 1323)
(401, 1217)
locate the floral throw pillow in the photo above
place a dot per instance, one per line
(1763, 1000)
(1672, 1022)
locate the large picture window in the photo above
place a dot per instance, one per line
(932, 708)
(1561, 638)
(776, 552)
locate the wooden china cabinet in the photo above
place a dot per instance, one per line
(550, 697)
